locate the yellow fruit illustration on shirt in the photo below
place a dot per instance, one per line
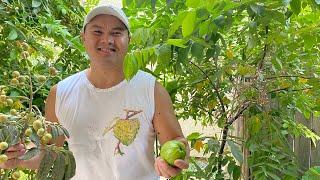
(124, 129)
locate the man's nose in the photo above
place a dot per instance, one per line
(107, 38)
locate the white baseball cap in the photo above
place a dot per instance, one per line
(106, 9)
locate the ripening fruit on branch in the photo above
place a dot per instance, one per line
(46, 138)
(3, 158)
(15, 74)
(13, 112)
(21, 78)
(25, 55)
(37, 124)
(15, 175)
(9, 102)
(53, 71)
(28, 132)
(3, 118)
(40, 132)
(41, 78)
(14, 81)
(3, 146)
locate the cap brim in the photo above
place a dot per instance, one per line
(109, 10)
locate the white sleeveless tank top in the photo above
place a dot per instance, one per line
(85, 111)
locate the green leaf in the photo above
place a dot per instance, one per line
(36, 3)
(193, 136)
(163, 53)
(273, 176)
(13, 35)
(295, 6)
(193, 3)
(236, 172)
(188, 23)
(177, 23)
(65, 132)
(30, 154)
(130, 66)
(138, 56)
(312, 174)
(59, 167)
(197, 50)
(45, 165)
(235, 151)
(71, 165)
(177, 42)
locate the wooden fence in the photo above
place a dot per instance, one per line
(307, 154)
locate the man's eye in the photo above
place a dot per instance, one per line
(116, 33)
(97, 32)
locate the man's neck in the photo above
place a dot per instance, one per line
(105, 77)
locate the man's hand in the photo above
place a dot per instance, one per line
(13, 153)
(165, 170)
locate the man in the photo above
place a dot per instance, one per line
(112, 122)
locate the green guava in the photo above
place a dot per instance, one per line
(172, 150)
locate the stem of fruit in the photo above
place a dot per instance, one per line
(131, 113)
(118, 150)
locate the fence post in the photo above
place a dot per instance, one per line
(302, 145)
(315, 150)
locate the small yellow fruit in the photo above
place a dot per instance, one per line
(28, 132)
(53, 71)
(37, 124)
(9, 102)
(14, 81)
(3, 158)
(21, 78)
(15, 74)
(25, 55)
(42, 78)
(46, 138)
(3, 97)
(3, 145)
(15, 175)
(3, 118)
(40, 132)
(13, 112)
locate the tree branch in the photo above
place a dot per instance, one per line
(214, 87)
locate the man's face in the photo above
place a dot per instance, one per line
(106, 39)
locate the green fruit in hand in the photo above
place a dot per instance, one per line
(37, 124)
(3, 158)
(15, 175)
(3, 145)
(172, 150)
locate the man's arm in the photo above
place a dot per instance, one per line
(167, 128)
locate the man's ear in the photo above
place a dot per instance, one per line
(82, 36)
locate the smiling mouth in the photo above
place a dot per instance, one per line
(106, 50)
